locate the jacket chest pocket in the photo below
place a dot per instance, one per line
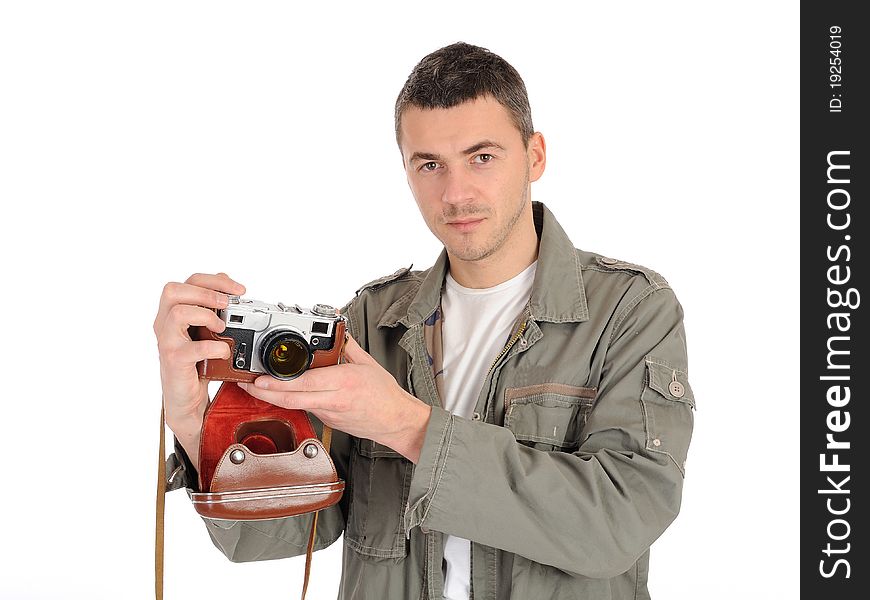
(548, 416)
(380, 481)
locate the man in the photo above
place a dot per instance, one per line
(512, 422)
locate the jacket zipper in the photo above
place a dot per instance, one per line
(517, 335)
(508, 346)
(512, 341)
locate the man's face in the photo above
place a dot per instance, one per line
(469, 172)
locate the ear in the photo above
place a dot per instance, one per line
(537, 154)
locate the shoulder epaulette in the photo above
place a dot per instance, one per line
(614, 264)
(385, 280)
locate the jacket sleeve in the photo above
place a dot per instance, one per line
(245, 541)
(592, 512)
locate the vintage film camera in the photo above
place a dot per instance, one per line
(258, 460)
(276, 339)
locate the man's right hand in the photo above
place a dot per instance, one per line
(185, 395)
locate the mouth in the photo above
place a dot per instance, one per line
(465, 225)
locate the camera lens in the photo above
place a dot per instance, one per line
(285, 355)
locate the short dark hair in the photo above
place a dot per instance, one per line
(460, 73)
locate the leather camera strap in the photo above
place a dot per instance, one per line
(327, 437)
(161, 508)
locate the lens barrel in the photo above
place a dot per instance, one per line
(285, 355)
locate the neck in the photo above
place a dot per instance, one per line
(519, 250)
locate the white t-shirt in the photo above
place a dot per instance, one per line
(475, 326)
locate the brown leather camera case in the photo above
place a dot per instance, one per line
(260, 461)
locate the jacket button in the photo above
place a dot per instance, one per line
(609, 261)
(425, 530)
(676, 389)
(657, 442)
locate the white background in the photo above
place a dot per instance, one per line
(142, 142)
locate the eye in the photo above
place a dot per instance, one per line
(484, 158)
(429, 166)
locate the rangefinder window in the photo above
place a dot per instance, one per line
(236, 318)
(319, 327)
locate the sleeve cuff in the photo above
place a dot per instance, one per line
(180, 472)
(429, 468)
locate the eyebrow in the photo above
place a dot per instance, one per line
(470, 150)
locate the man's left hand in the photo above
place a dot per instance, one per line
(358, 397)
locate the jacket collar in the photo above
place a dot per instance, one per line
(558, 294)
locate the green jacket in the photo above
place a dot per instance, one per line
(571, 467)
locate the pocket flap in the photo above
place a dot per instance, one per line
(662, 378)
(548, 413)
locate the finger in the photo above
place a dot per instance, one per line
(354, 354)
(321, 379)
(191, 353)
(184, 293)
(298, 400)
(182, 316)
(220, 281)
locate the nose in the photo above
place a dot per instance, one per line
(458, 188)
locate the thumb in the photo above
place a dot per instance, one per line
(354, 354)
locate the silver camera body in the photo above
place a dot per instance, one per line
(277, 339)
